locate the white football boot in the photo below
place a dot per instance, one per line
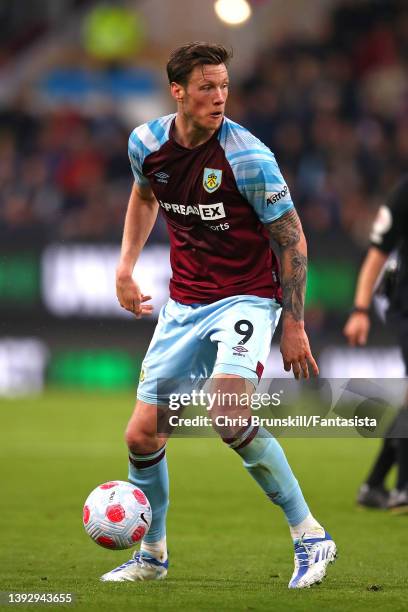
(312, 556)
(141, 566)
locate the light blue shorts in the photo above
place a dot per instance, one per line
(196, 341)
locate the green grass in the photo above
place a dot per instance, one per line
(229, 546)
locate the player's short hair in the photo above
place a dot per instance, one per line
(184, 59)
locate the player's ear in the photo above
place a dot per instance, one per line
(177, 91)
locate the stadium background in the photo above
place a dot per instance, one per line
(322, 83)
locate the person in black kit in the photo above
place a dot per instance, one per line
(389, 233)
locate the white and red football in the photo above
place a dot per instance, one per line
(117, 515)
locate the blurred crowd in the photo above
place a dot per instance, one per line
(62, 176)
(333, 109)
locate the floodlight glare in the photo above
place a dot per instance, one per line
(233, 12)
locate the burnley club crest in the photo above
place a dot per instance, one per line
(211, 179)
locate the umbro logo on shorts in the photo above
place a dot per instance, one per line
(239, 350)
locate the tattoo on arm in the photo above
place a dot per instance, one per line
(287, 232)
(293, 289)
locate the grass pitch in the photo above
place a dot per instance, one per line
(229, 546)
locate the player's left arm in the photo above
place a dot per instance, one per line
(287, 232)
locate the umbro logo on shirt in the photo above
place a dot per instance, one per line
(162, 177)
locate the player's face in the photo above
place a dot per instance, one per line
(203, 99)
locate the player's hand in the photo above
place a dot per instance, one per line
(357, 328)
(295, 350)
(131, 298)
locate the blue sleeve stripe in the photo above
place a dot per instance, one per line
(260, 179)
(282, 210)
(261, 187)
(136, 147)
(158, 130)
(253, 154)
(264, 162)
(259, 161)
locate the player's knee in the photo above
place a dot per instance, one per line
(140, 441)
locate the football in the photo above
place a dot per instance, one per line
(117, 515)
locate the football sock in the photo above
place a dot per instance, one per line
(266, 462)
(309, 527)
(158, 549)
(149, 473)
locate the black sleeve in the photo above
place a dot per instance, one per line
(391, 220)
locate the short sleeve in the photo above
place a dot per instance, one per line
(136, 155)
(391, 219)
(260, 181)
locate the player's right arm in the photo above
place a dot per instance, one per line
(140, 218)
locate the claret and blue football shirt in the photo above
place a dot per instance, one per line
(216, 199)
